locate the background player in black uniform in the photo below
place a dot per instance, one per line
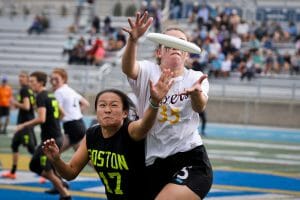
(48, 114)
(116, 145)
(25, 103)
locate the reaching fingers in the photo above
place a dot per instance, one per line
(143, 17)
(130, 23)
(166, 75)
(138, 19)
(49, 143)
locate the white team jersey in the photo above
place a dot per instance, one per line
(69, 100)
(176, 126)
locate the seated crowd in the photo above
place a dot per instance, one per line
(39, 24)
(92, 48)
(230, 44)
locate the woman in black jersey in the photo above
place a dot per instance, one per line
(116, 145)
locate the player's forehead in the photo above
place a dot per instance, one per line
(109, 97)
(23, 75)
(176, 33)
(33, 78)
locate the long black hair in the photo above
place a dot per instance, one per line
(128, 105)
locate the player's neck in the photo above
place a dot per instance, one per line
(108, 132)
(178, 72)
(41, 89)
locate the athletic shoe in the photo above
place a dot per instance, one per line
(9, 175)
(55, 191)
(65, 198)
(42, 180)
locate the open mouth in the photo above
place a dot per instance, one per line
(176, 53)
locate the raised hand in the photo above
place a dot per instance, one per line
(139, 27)
(161, 88)
(196, 86)
(51, 150)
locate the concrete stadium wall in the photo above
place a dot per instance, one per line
(253, 112)
(247, 112)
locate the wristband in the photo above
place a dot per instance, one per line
(152, 105)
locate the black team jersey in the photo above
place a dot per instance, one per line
(119, 162)
(26, 115)
(51, 127)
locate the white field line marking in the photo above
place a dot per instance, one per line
(252, 144)
(254, 197)
(232, 152)
(288, 156)
(253, 160)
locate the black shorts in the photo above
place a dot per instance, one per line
(191, 168)
(75, 130)
(4, 111)
(39, 161)
(26, 137)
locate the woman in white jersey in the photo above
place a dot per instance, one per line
(177, 163)
(72, 103)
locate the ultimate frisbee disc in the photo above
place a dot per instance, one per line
(173, 42)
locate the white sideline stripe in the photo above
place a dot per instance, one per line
(230, 152)
(252, 153)
(100, 189)
(254, 197)
(288, 156)
(252, 144)
(254, 160)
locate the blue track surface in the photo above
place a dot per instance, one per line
(236, 183)
(253, 133)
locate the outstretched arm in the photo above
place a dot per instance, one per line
(69, 170)
(199, 99)
(139, 129)
(136, 30)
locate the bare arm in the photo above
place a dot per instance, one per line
(137, 29)
(69, 170)
(139, 129)
(199, 100)
(41, 118)
(84, 103)
(25, 105)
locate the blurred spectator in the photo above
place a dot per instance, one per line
(69, 45)
(96, 24)
(155, 12)
(96, 53)
(234, 20)
(78, 54)
(226, 66)
(286, 62)
(175, 9)
(292, 29)
(116, 41)
(108, 29)
(248, 68)
(5, 102)
(192, 15)
(254, 43)
(203, 15)
(258, 61)
(295, 63)
(40, 24)
(78, 11)
(270, 62)
(216, 63)
(236, 41)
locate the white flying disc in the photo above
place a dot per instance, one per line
(173, 42)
